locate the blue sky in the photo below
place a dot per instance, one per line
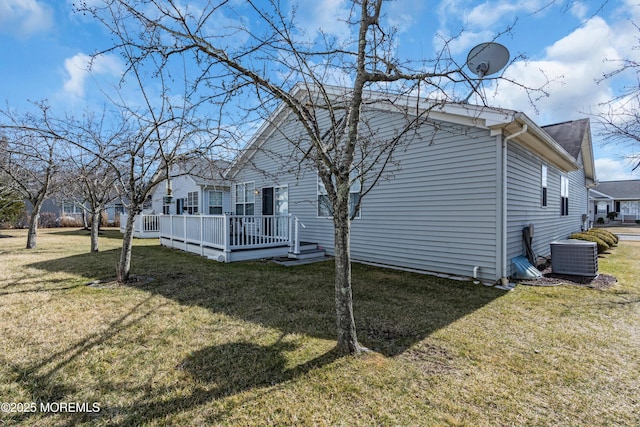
(46, 47)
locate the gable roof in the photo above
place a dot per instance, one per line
(497, 120)
(620, 190)
(575, 138)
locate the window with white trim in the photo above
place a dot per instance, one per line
(215, 202)
(325, 210)
(191, 204)
(543, 184)
(245, 198)
(564, 195)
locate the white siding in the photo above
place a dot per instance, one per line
(524, 203)
(180, 186)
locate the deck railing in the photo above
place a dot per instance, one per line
(145, 225)
(231, 232)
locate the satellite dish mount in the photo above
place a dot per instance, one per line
(484, 60)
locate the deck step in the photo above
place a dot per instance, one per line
(307, 251)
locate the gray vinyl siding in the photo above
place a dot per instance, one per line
(437, 212)
(524, 196)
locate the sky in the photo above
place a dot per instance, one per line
(46, 46)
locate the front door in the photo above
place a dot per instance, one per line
(267, 211)
(275, 209)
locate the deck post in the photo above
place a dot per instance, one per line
(296, 242)
(171, 229)
(201, 235)
(225, 238)
(184, 231)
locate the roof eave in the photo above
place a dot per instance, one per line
(537, 141)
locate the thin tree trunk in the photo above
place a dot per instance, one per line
(95, 228)
(347, 337)
(124, 266)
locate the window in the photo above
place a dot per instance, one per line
(191, 203)
(69, 207)
(245, 198)
(544, 186)
(602, 207)
(325, 210)
(564, 196)
(166, 209)
(215, 202)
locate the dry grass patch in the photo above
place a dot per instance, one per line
(253, 343)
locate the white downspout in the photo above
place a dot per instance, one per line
(503, 244)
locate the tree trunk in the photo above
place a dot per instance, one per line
(95, 228)
(124, 266)
(33, 229)
(347, 338)
(33, 224)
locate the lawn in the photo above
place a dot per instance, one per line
(196, 342)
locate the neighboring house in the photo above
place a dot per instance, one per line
(622, 197)
(197, 187)
(467, 184)
(69, 213)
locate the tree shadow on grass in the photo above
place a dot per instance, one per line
(393, 309)
(108, 233)
(218, 372)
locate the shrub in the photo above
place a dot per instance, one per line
(600, 220)
(609, 238)
(48, 220)
(612, 216)
(602, 245)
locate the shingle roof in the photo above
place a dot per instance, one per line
(569, 135)
(204, 171)
(621, 190)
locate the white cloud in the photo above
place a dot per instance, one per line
(608, 169)
(23, 18)
(568, 72)
(81, 66)
(330, 16)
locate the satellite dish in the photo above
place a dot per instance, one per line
(486, 59)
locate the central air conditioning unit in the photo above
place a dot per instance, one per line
(574, 257)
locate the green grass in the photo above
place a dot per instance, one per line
(196, 342)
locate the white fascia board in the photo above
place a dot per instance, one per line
(538, 142)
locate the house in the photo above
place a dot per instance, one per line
(64, 212)
(622, 197)
(463, 187)
(196, 187)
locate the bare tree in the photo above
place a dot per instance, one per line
(620, 120)
(92, 179)
(263, 52)
(31, 161)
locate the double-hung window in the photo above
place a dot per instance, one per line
(325, 210)
(564, 195)
(215, 202)
(245, 198)
(191, 205)
(544, 186)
